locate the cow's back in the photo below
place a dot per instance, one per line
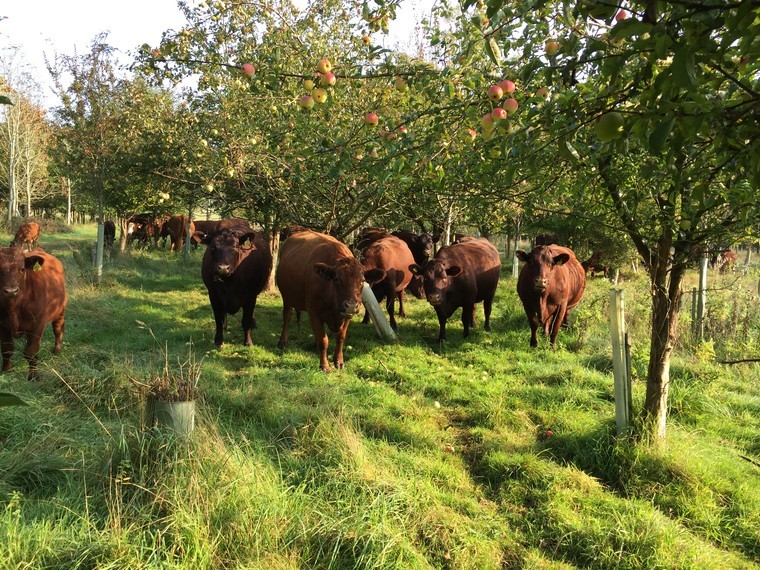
(295, 276)
(479, 261)
(393, 256)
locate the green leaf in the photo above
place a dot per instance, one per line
(5, 100)
(629, 28)
(493, 7)
(682, 68)
(7, 399)
(569, 151)
(660, 135)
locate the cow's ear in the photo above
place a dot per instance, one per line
(415, 269)
(249, 237)
(31, 260)
(373, 276)
(561, 259)
(453, 271)
(522, 255)
(324, 271)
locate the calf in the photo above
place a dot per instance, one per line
(392, 256)
(551, 283)
(234, 275)
(319, 275)
(461, 275)
(27, 236)
(29, 300)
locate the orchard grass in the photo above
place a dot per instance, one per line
(478, 453)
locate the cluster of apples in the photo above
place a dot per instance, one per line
(508, 107)
(318, 95)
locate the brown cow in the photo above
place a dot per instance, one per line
(176, 229)
(29, 300)
(109, 233)
(206, 227)
(594, 265)
(461, 275)
(551, 283)
(319, 275)
(726, 261)
(234, 275)
(421, 246)
(27, 236)
(393, 256)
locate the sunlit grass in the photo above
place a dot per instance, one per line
(416, 455)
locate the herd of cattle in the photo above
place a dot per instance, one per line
(316, 273)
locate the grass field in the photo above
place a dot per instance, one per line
(413, 456)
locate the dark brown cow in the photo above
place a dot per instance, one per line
(205, 227)
(461, 275)
(176, 229)
(319, 275)
(109, 233)
(27, 236)
(392, 256)
(550, 284)
(421, 246)
(594, 265)
(234, 275)
(726, 261)
(29, 300)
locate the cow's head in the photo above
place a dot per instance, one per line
(13, 267)
(425, 246)
(436, 278)
(226, 249)
(346, 279)
(540, 262)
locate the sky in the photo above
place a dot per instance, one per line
(44, 27)
(41, 28)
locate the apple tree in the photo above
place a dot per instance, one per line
(651, 116)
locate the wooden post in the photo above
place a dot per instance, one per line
(619, 361)
(702, 298)
(382, 327)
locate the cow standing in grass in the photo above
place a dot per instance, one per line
(550, 284)
(27, 236)
(32, 294)
(461, 275)
(319, 274)
(234, 274)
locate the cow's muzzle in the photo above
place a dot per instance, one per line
(435, 299)
(10, 292)
(350, 308)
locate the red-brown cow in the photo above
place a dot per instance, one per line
(234, 275)
(319, 275)
(29, 300)
(726, 261)
(27, 236)
(595, 264)
(176, 228)
(392, 256)
(551, 283)
(461, 275)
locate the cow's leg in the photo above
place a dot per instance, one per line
(31, 350)
(390, 306)
(58, 333)
(441, 324)
(556, 323)
(320, 336)
(286, 313)
(6, 341)
(220, 319)
(401, 310)
(340, 338)
(468, 313)
(248, 323)
(487, 306)
(534, 321)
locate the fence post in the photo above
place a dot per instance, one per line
(620, 364)
(702, 298)
(382, 327)
(693, 312)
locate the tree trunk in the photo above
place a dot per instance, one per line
(666, 283)
(274, 248)
(122, 234)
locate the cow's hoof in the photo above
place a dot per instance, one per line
(282, 345)
(218, 345)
